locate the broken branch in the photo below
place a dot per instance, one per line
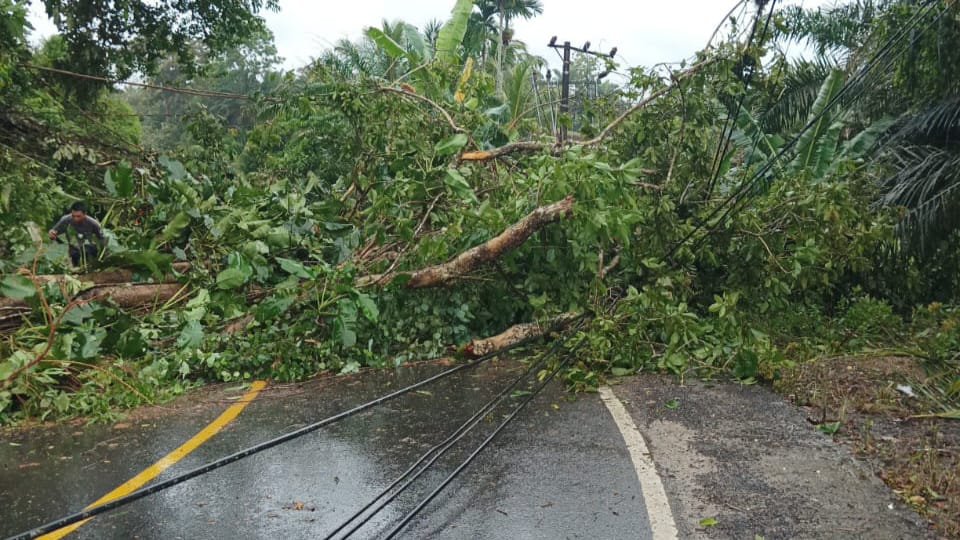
(516, 334)
(490, 250)
(434, 104)
(531, 146)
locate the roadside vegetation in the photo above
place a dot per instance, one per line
(750, 213)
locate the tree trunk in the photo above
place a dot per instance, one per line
(126, 295)
(488, 251)
(500, 46)
(516, 334)
(119, 275)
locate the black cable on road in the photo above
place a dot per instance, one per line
(150, 490)
(441, 448)
(486, 442)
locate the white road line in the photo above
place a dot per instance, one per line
(658, 507)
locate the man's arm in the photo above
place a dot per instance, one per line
(97, 230)
(59, 227)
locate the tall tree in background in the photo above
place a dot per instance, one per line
(119, 38)
(494, 19)
(249, 69)
(917, 94)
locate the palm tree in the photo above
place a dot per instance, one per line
(916, 98)
(494, 19)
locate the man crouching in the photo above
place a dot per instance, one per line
(86, 229)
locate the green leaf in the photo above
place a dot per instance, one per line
(672, 404)
(17, 287)
(295, 268)
(620, 372)
(175, 226)
(459, 185)
(231, 278)
(829, 428)
(191, 336)
(176, 169)
(807, 145)
(368, 307)
(109, 183)
(78, 314)
(385, 42)
(119, 181)
(451, 33)
(707, 522)
(450, 145)
(273, 307)
(348, 338)
(91, 344)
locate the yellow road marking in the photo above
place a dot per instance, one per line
(152, 471)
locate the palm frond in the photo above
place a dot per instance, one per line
(832, 29)
(938, 124)
(800, 85)
(926, 184)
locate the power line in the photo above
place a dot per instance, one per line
(436, 451)
(237, 456)
(486, 442)
(163, 88)
(856, 81)
(726, 134)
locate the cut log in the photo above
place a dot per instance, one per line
(116, 276)
(491, 250)
(516, 334)
(134, 295)
(126, 295)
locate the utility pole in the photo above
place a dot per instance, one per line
(565, 79)
(565, 89)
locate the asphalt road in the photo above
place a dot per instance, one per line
(736, 456)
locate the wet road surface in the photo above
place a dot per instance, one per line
(737, 455)
(560, 470)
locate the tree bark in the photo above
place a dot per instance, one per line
(474, 257)
(126, 295)
(113, 277)
(517, 333)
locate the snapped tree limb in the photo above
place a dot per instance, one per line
(533, 146)
(517, 333)
(434, 104)
(486, 252)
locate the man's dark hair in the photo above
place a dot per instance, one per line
(78, 207)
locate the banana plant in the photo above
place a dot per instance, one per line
(817, 146)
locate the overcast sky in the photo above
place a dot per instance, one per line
(645, 32)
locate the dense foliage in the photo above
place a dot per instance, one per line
(818, 229)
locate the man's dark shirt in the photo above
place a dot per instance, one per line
(89, 227)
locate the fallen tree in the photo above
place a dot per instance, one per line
(113, 277)
(518, 333)
(493, 249)
(125, 295)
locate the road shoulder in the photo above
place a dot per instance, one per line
(742, 457)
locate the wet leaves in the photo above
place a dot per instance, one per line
(300, 506)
